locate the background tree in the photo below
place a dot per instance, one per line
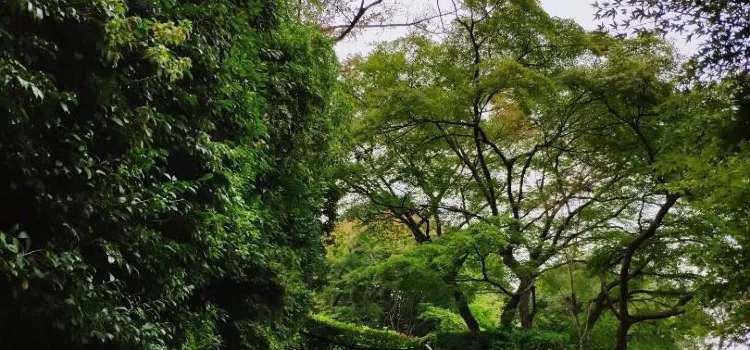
(722, 30)
(721, 27)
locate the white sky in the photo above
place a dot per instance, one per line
(579, 10)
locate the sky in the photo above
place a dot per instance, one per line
(579, 10)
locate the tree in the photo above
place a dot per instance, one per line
(722, 28)
(164, 165)
(420, 94)
(550, 139)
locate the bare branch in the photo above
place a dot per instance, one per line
(413, 23)
(361, 12)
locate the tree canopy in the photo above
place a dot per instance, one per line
(526, 146)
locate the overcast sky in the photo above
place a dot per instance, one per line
(579, 10)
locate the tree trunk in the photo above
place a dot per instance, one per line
(596, 308)
(460, 298)
(465, 312)
(527, 308)
(509, 311)
(438, 223)
(522, 301)
(418, 235)
(622, 335)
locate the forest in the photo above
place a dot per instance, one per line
(209, 175)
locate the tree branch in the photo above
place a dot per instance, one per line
(362, 10)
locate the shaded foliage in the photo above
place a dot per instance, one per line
(163, 169)
(510, 340)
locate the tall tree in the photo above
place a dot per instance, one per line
(551, 138)
(474, 129)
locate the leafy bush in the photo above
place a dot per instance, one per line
(323, 332)
(326, 333)
(496, 340)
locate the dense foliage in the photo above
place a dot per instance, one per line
(164, 165)
(325, 333)
(173, 173)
